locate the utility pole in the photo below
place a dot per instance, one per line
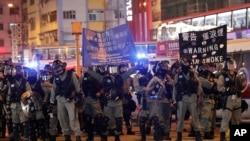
(77, 31)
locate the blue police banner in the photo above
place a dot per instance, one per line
(208, 46)
(112, 46)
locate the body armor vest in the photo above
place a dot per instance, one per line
(90, 86)
(155, 92)
(112, 86)
(185, 86)
(229, 81)
(143, 81)
(17, 91)
(65, 87)
(38, 88)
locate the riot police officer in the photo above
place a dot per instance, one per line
(126, 101)
(208, 83)
(65, 87)
(92, 109)
(143, 77)
(158, 105)
(18, 85)
(185, 92)
(231, 110)
(50, 111)
(3, 92)
(37, 119)
(112, 89)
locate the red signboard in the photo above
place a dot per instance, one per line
(161, 48)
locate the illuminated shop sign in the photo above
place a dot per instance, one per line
(129, 12)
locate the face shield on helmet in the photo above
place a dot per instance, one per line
(112, 69)
(231, 64)
(101, 70)
(58, 67)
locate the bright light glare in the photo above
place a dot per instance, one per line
(141, 55)
(10, 5)
(31, 64)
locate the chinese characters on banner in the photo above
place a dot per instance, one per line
(209, 46)
(113, 46)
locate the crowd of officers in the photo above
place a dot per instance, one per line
(33, 104)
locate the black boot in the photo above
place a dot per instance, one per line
(117, 138)
(104, 138)
(212, 133)
(192, 133)
(198, 136)
(67, 137)
(143, 137)
(52, 138)
(148, 130)
(78, 138)
(207, 135)
(179, 136)
(130, 132)
(167, 137)
(223, 136)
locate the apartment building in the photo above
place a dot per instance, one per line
(50, 24)
(11, 41)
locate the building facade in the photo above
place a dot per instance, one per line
(11, 35)
(50, 24)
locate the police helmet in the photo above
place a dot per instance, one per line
(175, 65)
(202, 69)
(164, 64)
(101, 70)
(58, 67)
(48, 68)
(112, 69)
(230, 64)
(17, 71)
(186, 58)
(122, 66)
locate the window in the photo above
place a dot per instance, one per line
(32, 2)
(198, 21)
(119, 14)
(239, 19)
(1, 43)
(69, 14)
(44, 19)
(1, 26)
(52, 16)
(14, 10)
(96, 15)
(1, 10)
(32, 22)
(225, 19)
(210, 20)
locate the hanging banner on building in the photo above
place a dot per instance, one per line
(209, 46)
(113, 46)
